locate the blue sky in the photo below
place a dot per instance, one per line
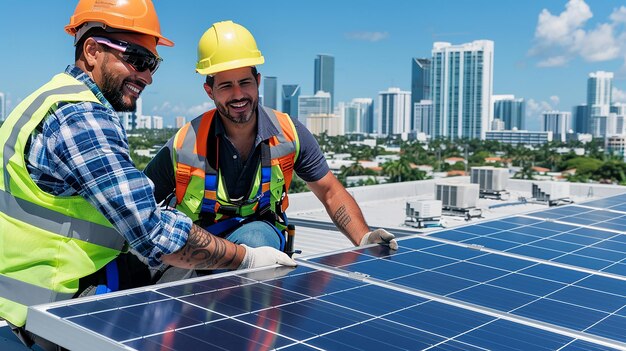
(544, 50)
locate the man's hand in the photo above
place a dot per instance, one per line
(380, 236)
(265, 256)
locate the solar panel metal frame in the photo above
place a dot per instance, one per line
(48, 325)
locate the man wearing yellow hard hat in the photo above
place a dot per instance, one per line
(72, 202)
(230, 168)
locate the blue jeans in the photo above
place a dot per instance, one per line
(257, 233)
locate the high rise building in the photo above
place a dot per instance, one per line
(423, 117)
(3, 107)
(420, 83)
(557, 122)
(180, 121)
(144, 122)
(510, 111)
(366, 114)
(270, 92)
(318, 104)
(128, 120)
(357, 115)
(290, 95)
(394, 112)
(328, 123)
(462, 86)
(580, 119)
(157, 122)
(599, 89)
(324, 78)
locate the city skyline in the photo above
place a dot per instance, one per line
(543, 54)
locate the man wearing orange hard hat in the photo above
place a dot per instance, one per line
(72, 202)
(230, 169)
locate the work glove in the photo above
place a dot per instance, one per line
(264, 256)
(380, 236)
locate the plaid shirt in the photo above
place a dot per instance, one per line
(81, 148)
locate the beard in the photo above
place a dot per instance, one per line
(238, 118)
(112, 89)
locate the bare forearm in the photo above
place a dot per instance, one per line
(206, 251)
(341, 207)
(347, 216)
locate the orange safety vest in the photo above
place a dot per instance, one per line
(200, 188)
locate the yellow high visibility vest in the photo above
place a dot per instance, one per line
(47, 243)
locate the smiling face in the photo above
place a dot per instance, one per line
(119, 81)
(235, 94)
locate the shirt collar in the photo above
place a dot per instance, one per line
(84, 78)
(265, 128)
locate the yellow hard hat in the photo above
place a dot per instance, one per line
(225, 46)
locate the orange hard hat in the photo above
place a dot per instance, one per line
(131, 15)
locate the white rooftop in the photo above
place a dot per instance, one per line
(385, 205)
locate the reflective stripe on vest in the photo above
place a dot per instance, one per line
(28, 294)
(60, 224)
(49, 242)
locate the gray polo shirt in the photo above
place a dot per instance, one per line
(239, 174)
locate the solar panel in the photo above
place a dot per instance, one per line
(428, 295)
(548, 280)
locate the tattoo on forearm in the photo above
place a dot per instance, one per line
(341, 218)
(197, 252)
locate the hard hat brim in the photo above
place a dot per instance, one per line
(227, 66)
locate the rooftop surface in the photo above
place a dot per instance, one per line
(384, 206)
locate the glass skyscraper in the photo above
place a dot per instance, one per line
(290, 95)
(510, 110)
(270, 90)
(420, 83)
(557, 122)
(394, 112)
(599, 86)
(324, 78)
(316, 105)
(461, 86)
(358, 115)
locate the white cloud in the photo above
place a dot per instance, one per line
(600, 44)
(168, 109)
(199, 109)
(554, 100)
(563, 37)
(619, 15)
(368, 36)
(554, 61)
(536, 108)
(618, 95)
(561, 29)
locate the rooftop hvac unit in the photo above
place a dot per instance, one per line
(550, 191)
(423, 209)
(457, 195)
(490, 179)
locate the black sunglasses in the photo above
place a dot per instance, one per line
(137, 56)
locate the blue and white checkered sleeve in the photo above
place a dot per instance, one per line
(90, 150)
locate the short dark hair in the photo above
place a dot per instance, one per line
(88, 34)
(210, 80)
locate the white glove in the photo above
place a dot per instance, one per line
(380, 236)
(264, 256)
